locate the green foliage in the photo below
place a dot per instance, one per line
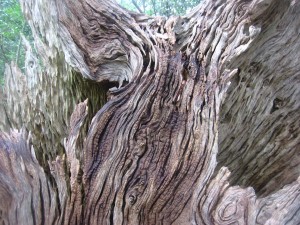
(12, 23)
(160, 7)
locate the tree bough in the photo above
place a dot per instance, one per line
(188, 120)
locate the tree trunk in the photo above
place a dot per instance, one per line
(186, 120)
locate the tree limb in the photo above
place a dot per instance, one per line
(137, 6)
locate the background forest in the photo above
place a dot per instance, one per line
(13, 24)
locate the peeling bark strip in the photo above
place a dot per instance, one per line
(198, 96)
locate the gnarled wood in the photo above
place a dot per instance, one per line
(195, 97)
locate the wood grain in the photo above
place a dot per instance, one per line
(188, 120)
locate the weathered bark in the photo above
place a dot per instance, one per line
(196, 97)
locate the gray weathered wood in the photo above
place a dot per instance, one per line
(200, 124)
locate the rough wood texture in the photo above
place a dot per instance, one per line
(196, 97)
(42, 100)
(262, 108)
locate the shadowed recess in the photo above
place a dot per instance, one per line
(259, 130)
